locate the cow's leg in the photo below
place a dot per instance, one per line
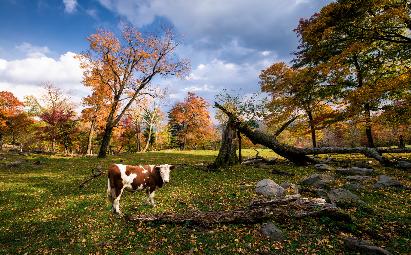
(116, 201)
(151, 197)
(110, 193)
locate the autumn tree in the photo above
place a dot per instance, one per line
(10, 113)
(142, 122)
(190, 122)
(125, 66)
(294, 91)
(152, 118)
(56, 111)
(96, 106)
(357, 56)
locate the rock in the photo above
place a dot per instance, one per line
(357, 178)
(386, 181)
(324, 167)
(354, 171)
(363, 164)
(322, 193)
(16, 163)
(356, 186)
(402, 164)
(364, 247)
(317, 180)
(289, 188)
(343, 198)
(271, 231)
(269, 188)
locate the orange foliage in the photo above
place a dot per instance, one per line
(191, 123)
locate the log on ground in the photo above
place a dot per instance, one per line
(257, 212)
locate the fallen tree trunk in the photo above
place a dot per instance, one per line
(285, 125)
(300, 156)
(257, 212)
(257, 137)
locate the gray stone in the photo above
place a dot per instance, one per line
(343, 198)
(364, 247)
(289, 188)
(16, 163)
(317, 180)
(354, 171)
(269, 188)
(358, 178)
(271, 231)
(324, 167)
(386, 181)
(363, 164)
(404, 164)
(356, 186)
(322, 193)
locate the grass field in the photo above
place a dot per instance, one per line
(42, 210)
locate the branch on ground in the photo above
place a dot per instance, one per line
(257, 212)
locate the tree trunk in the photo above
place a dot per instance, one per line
(401, 142)
(106, 141)
(368, 125)
(240, 158)
(285, 125)
(258, 137)
(90, 138)
(148, 138)
(227, 155)
(53, 141)
(1, 141)
(367, 107)
(312, 128)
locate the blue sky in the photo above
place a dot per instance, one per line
(228, 42)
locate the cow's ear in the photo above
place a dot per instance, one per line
(157, 168)
(172, 167)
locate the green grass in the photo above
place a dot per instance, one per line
(42, 210)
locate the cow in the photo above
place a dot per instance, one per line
(132, 178)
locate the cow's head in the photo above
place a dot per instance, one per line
(165, 171)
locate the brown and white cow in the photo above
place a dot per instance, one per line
(132, 178)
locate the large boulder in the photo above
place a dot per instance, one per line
(364, 247)
(354, 171)
(343, 198)
(269, 188)
(271, 231)
(387, 181)
(323, 167)
(317, 180)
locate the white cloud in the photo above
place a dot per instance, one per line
(33, 51)
(262, 24)
(204, 87)
(25, 76)
(70, 5)
(209, 79)
(92, 13)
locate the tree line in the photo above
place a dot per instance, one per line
(49, 123)
(348, 85)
